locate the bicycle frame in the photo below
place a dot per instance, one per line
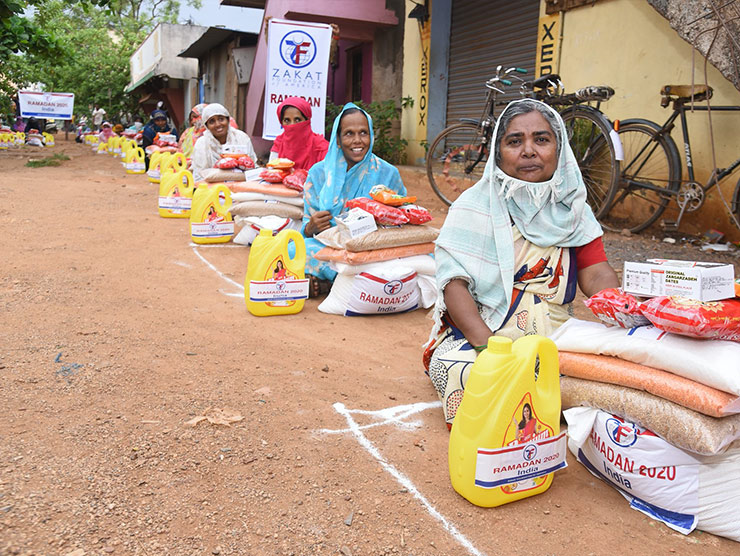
(680, 109)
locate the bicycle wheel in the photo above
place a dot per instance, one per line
(588, 135)
(650, 171)
(456, 160)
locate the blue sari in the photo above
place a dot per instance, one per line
(329, 185)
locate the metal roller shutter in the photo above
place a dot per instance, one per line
(482, 36)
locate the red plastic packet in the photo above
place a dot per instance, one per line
(416, 214)
(383, 214)
(616, 308)
(296, 179)
(227, 163)
(716, 320)
(245, 162)
(273, 175)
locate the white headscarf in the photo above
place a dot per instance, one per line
(207, 149)
(476, 242)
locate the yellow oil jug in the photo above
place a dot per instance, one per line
(114, 145)
(5, 140)
(134, 161)
(156, 160)
(505, 442)
(126, 145)
(48, 139)
(275, 283)
(175, 161)
(176, 194)
(100, 147)
(210, 219)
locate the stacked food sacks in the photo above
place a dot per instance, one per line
(270, 198)
(387, 270)
(655, 408)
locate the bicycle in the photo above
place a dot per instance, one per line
(458, 155)
(651, 173)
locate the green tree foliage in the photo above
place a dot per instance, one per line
(388, 145)
(78, 46)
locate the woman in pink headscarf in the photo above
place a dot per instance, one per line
(298, 142)
(192, 133)
(106, 132)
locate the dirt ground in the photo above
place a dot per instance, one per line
(115, 330)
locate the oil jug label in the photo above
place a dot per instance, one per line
(175, 202)
(278, 290)
(135, 166)
(154, 174)
(522, 466)
(212, 228)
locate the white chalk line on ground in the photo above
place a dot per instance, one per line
(393, 415)
(239, 286)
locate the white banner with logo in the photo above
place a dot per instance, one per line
(46, 105)
(297, 66)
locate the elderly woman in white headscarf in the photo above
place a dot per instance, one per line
(218, 133)
(513, 248)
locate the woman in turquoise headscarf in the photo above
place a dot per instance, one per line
(349, 170)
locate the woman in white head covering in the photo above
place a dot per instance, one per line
(218, 133)
(513, 248)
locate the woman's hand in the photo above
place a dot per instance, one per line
(464, 312)
(320, 221)
(597, 277)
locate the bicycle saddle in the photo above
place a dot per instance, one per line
(547, 80)
(684, 93)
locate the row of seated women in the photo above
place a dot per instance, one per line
(513, 248)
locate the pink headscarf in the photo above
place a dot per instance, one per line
(298, 142)
(106, 131)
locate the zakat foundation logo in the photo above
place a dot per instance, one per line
(393, 287)
(622, 433)
(297, 49)
(529, 452)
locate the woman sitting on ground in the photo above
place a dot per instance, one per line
(157, 125)
(349, 170)
(192, 133)
(297, 141)
(513, 248)
(207, 150)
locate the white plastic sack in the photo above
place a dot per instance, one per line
(386, 290)
(423, 264)
(252, 225)
(683, 490)
(240, 196)
(711, 362)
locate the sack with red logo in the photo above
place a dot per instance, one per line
(715, 320)
(679, 488)
(384, 214)
(380, 290)
(616, 308)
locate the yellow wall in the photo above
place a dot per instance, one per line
(415, 85)
(628, 45)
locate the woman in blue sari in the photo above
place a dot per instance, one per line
(349, 170)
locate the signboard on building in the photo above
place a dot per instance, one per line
(59, 106)
(147, 55)
(548, 43)
(297, 66)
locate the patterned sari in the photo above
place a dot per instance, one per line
(545, 284)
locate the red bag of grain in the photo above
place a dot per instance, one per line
(384, 214)
(717, 320)
(416, 214)
(616, 308)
